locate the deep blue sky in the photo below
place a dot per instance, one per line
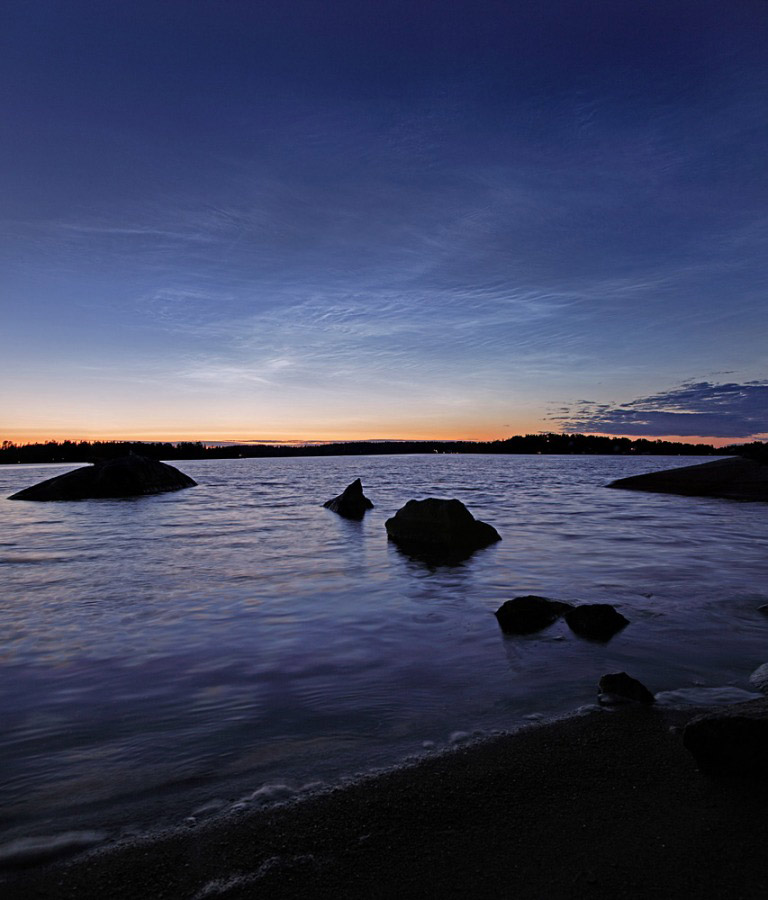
(346, 219)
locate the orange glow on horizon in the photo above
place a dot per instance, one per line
(336, 435)
(277, 433)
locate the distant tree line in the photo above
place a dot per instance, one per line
(90, 451)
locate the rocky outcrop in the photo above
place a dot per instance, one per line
(351, 502)
(595, 621)
(732, 740)
(436, 526)
(618, 687)
(732, 479)
(126, 476)
(525, 615)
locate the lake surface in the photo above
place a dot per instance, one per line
(172, 656)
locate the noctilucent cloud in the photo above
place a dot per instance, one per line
(329, 220)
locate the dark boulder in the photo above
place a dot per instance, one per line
(125, 476)
(732, 740)
(622, 687)
(595, 621)
(441, 527)
(732, 479)
(351, 503)
(524, 615)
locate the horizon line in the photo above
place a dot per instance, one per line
(692, 440)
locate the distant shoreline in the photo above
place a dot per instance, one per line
(544, 444)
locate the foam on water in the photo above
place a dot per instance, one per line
(43, 848)
(723, 695)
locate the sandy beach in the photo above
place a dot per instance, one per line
(603, 805)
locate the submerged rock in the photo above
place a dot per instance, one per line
(351, 502)
(125, 476)
(524, 615)
(595, 621)
(732, 740)
(732, 479)
(440, 527)
(620, 686)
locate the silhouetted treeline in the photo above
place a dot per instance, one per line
(756, 450)
(88, 451)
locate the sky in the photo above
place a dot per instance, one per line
(333, 219)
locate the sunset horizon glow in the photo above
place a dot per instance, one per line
(228, 438)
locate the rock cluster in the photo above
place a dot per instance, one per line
(593, 621)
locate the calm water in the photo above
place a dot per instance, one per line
(193, 649)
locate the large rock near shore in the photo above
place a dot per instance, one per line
(525, 615)
(351, 502)
(125, 476)
(759, 678)
(618, 686)
(440, 527)
(732, 740)
(732, 479)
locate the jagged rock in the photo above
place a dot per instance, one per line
(595, 621)
(439, 526)
(524, 615)
(733, 479)
(125, 476)
(732, 740)
(351, 503)
(623, 686)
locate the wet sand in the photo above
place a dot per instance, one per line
(607, 805)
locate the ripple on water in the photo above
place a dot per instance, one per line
(238, 634)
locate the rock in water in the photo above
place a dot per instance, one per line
(351, 503)
(524, 615)
(759, 678)
(732, 740)
(732, 479)
(623, 686)
(125, 476)
(595, 621)
(441, 527)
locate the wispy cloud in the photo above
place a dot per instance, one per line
(534, 210)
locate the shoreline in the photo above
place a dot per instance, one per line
(607, 804)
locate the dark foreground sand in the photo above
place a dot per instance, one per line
(608, 805)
